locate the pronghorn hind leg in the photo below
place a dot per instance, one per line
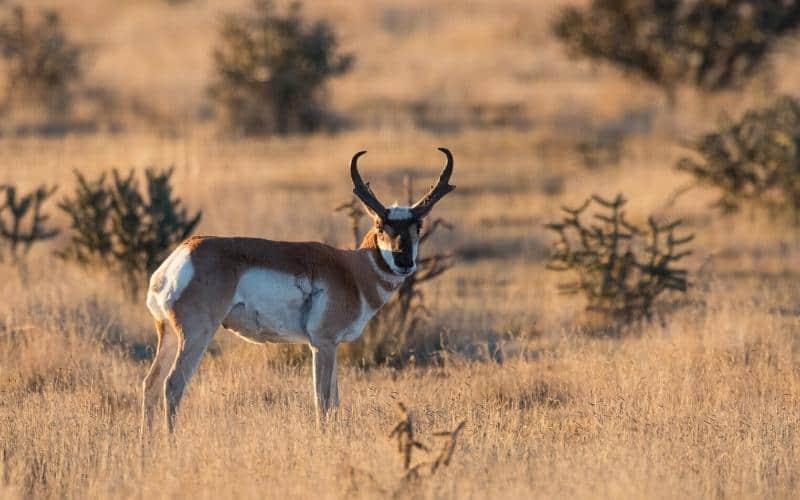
(324, 360)
(195, 335)
(153, 383)
(334, 399)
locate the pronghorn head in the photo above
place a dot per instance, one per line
(397, 229)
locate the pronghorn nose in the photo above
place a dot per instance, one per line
(403, 260)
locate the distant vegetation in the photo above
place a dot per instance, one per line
(115, 223)
(755, 160)
(271, 69)
(22, 220)
(680, 381)
(713, 45)
(42, 66)
(621, 269)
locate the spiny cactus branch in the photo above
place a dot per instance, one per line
(755, 160)
(620, 268)
(22, 222)
(116, 223)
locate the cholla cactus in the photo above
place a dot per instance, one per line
(114, 223)
(89, 212)
(755, 160)
(22, 222)
(620, 268)
(711, 44)
(271, 68)
(42, 64)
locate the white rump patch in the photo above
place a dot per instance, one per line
(168, 282)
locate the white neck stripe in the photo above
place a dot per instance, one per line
(393, 278)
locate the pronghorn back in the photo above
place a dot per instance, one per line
(271, 291)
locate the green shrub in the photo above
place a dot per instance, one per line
(114, 223)
(22, 222)
(42, 66)
(271, 70)
(754, 160)
(712, 44)
(619, 268)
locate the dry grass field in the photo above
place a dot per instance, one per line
(700, 403)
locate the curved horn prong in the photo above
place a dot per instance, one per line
(363, 192)
(437, 191)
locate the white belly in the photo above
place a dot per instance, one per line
(269, 306)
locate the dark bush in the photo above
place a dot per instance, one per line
(755, 160)
(115, 224)
(619, 268)
(271, 70)
(712, 44)
(22, 222)
(42, 66)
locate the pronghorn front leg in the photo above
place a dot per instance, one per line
(334, 401)
(324, 360)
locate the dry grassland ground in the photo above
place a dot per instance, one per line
(703, 404)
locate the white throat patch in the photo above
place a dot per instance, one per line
(393, 278)
(389, 259)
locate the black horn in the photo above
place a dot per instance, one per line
(437, 191)
(362, 190)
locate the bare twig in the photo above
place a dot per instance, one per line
(407, 443)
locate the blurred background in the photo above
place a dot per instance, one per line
(170, 67)
(610, 297)
(245, 113)
(152, 120)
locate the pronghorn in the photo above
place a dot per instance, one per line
(276, 291)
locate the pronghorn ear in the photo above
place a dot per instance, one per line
(372, 213)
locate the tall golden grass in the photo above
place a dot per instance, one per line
(700, 403)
